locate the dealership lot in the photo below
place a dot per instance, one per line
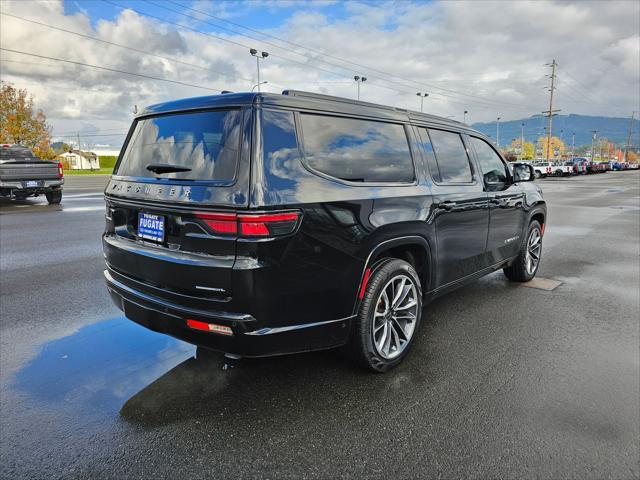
(503, 381)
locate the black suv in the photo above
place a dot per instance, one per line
(263, 224)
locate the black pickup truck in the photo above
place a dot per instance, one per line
(23, 175)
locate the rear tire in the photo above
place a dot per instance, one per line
(388, 317)
(54, 197)
(525, 266)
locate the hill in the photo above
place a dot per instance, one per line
(615, 129)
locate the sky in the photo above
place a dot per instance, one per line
(488, 58)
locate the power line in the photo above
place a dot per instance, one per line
(144, 52)
(358, 70)
(112, 70)
(304, 64)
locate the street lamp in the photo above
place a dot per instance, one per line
(258, 85)
(522, 141)
(498, 132)
(422, 97)
(359, 80)
(465, 116)
(258, 56)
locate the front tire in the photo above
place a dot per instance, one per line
(525, 266)
(54, 197)
(388, 317)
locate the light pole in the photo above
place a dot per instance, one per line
(593, 140)
(359, 80)
(422, 97)
(573, 145)
(258, 85)
(262, 55)
(522, 141)
(498, 132)
(465, 116)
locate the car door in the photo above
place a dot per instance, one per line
(460, 206)
(506, 202)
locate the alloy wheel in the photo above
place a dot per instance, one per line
(394, 318)
(534, 247)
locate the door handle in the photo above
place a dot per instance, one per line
(447, 205)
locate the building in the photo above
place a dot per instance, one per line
(79, 160)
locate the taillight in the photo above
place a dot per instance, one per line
(60, 171)
(209, 327)
(267, 224)
(225, 223)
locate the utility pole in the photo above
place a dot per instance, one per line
(626, 148)
(522, 141)
(498, 132)
(78, 134)
(593, 139)
(573, 145)
(551, 111)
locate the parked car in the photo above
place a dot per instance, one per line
(633, 166)
(595, 167)
(542, 169)
(562, 169)
(579, 165)
(23, 175)
(260, 224)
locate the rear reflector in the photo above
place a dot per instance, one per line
(365, 280)
(268, 224)
(209, 327)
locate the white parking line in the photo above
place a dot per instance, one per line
(83, 195)
(84, 209)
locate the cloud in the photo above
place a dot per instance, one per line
(485, 57)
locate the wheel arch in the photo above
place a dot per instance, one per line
(414, 249)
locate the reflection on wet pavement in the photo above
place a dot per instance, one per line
(100, 365)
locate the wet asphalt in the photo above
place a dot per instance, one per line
(502, 381)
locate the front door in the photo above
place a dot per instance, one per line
(460, 207)
(506, 203)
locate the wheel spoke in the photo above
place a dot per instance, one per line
(399, 292)
(380, 343)
(395, 339)
(398, 328)
(409, 304)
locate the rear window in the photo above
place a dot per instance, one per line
(357, 150)
(451, 157)
(205, 142)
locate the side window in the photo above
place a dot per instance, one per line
(357, 150)
(451, 157)
(279, 143)
(492, 166)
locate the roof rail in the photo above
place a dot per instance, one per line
(331, 98)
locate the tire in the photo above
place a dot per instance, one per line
(371, 348)
(54, 197)
(525, 266)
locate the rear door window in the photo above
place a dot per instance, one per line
(451, 157)
(205, 142)
(357, 150)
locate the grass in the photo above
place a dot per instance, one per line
(99, 171)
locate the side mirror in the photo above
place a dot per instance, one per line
(523, 172)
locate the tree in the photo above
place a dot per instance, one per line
(526, 153)
(632, 157)
(20, 123)
(556, 150)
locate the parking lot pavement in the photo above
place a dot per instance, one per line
(503, 381)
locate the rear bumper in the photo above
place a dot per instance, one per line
(19, 185)
(251, 338)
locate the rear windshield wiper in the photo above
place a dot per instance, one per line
(166, 168)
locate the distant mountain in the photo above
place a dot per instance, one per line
(615, 129)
